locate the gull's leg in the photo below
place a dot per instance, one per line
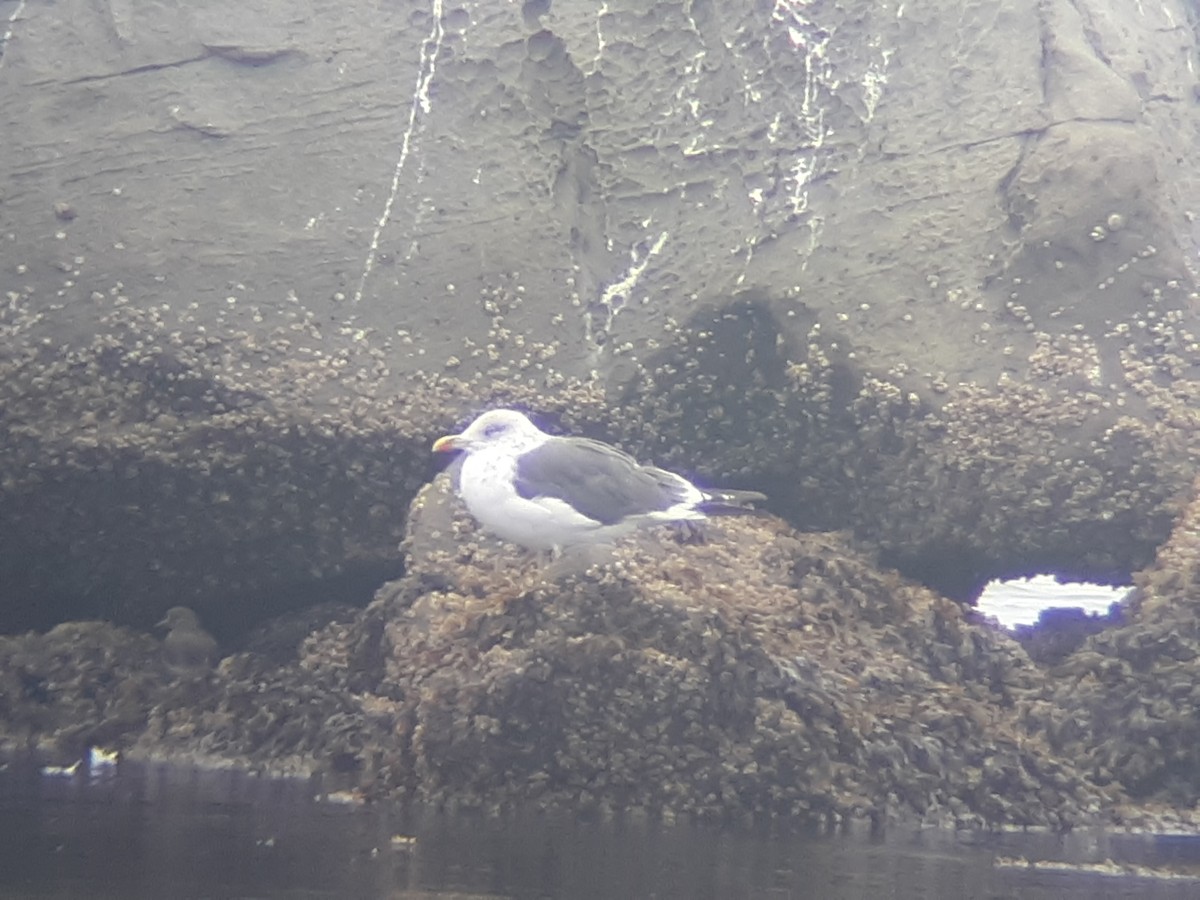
(690, 531)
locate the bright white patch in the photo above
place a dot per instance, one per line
(600, 14)
(99, 758)
(873, 82)
(1019, 601)
(62, 771)
(812, 40)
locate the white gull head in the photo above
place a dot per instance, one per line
(498, 428)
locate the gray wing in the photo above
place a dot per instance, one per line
(598, 480)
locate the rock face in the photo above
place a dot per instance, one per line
(922, 274)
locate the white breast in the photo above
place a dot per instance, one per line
(485, 485)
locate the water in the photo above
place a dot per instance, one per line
(1019, 601)
(152, 831)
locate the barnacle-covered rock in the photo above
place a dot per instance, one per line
(1059, 632)
(80, 684)
(1126, 704)
(757, 673)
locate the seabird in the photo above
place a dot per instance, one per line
(549, 493)
(187, 646)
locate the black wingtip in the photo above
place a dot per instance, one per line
(717, 503)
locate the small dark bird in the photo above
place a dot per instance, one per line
(187, 646)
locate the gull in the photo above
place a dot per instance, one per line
(546, 492)
(187, 646)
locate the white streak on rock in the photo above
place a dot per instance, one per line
(600, 14)
(8, 30)
(874, 80)
(812, 40)
(430, 48)
(617, 295)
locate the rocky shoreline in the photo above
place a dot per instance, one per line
(758, 673)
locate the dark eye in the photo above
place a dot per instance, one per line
(496, 428)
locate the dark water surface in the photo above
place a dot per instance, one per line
(153, 831)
